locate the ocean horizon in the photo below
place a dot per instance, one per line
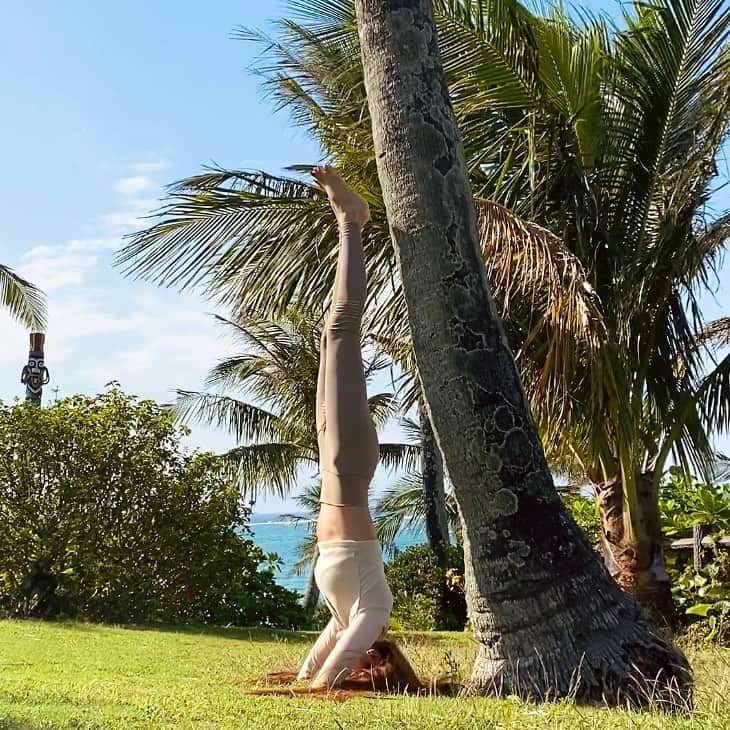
(278, 533)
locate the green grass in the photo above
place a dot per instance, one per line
(72, 675)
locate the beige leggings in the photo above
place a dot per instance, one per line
(348, 441)
(352, 580)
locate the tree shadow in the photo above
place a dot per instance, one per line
(234, 633)
(10, 723)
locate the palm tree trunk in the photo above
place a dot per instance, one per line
(636, 561)
(434, 496)
(548, 617)
(311, 595)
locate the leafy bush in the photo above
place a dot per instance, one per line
(684, 502)
(585, 513)
(427, 597)
(704, 597)
(103, 517)
(320, 617)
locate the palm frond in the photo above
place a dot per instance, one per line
(412, 429)
(308, 502)
(306, 555)
(382, 407)
(714, 394)
(669, 59)
(214, 223)
(400, 507)
(715, 235)
(244, 421)
(400, 456)
(486, 47)
(308, 499)
(571, 69)
(716, 333)
(22, 300)
(269, 468)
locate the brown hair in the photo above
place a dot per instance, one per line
(392, 672)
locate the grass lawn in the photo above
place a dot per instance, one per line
(72, 675)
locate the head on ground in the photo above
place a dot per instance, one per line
(383, 668)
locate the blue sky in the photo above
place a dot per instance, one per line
(104, 103)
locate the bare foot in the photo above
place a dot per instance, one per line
(345, 202)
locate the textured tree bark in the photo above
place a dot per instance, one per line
(434, 496)
(311, 595)
(637, 564)
(549, 619)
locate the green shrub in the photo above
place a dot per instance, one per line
(102, 516)
(426, 596)
(585, 513)
(685, 502)
(702, 598)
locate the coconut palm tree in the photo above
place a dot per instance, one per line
(591, 151)
(624, 181)
(265, 397)
(548, 617)
(22, 300)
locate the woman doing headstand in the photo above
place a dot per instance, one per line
(349, 570)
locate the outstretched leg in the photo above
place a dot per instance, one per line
(348, 444)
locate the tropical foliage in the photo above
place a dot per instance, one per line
(105, 518)
(591, 150)
(266, 399)
(22, 300)
(427, 596)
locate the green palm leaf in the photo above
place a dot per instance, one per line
(402, 507)
(246, 422)
(714, 394)
(22, 300)
(400, 456)
(669, 57)
(268, 468)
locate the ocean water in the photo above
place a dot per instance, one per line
(274, 533)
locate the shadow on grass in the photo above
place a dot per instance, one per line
(239, 633)
(235, 633)
(7, 723)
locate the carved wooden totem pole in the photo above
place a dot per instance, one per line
(35, 374)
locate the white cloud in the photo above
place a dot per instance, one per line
(148, 168)
(135, 185)
(14, 346)
(124, 221)
(165, 341)
(83, 245)
(56, 267)
(55, 272)
(102, 328)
